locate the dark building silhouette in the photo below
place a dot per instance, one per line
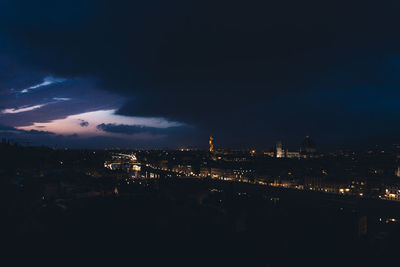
(307, 147)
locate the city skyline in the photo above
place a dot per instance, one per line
(258, 133)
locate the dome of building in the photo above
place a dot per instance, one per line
(307, 146)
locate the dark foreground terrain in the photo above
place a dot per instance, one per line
(191, 221)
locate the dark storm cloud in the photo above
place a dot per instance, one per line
(19, 132)
(135, 129)
(241, 70)
(5, 128)
(84, 123)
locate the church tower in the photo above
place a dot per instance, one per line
(211, 143)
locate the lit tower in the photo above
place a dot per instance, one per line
(211, 143)
(279, 150)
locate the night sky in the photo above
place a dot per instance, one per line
(167, 74)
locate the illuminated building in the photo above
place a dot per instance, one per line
(211, 143)
(279, 150)
(294, 154)
(392, 193)
(269, 153)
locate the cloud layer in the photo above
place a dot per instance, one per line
(249, 73)
(46, 81)
(134, 129)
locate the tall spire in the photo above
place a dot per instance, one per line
(211, 143)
